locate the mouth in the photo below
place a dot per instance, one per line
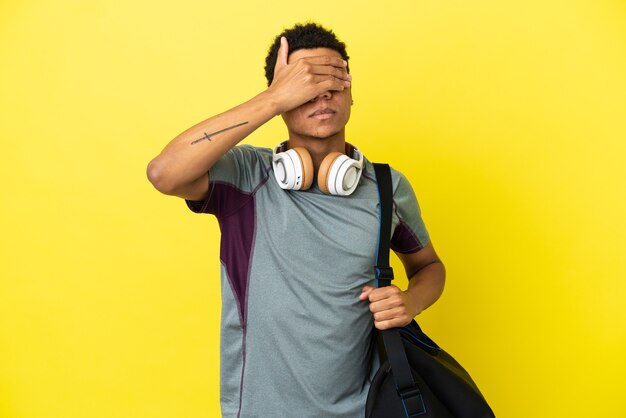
(322, 114)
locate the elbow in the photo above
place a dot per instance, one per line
(440, 278)
(157, 175)
(441, 272)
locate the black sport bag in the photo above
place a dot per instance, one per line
(417, 378)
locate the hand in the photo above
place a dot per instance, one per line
(391, 306)
(296, 83)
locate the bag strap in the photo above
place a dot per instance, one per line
(384, 272)
(406, 386)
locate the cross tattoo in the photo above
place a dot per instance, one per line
(208, 136)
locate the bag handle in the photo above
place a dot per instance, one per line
(406, 386)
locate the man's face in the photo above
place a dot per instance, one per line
(324, 115)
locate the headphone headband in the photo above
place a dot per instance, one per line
(350, 150)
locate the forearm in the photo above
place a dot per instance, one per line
(426, 286)
(192, 153)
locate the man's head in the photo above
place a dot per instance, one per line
(307, 36)
(309, 41)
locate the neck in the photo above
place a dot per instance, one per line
(319, 147)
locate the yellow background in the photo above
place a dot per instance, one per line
(508, 117)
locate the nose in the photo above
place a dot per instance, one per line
(327, 95)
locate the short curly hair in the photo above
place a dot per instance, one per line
(304, 36)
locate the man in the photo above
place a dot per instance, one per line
(297, 265)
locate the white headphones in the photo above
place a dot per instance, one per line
(338, 174)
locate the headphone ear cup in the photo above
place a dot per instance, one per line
(307, 167)
(324, 171)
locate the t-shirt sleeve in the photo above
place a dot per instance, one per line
(232, 180)
(410, 234)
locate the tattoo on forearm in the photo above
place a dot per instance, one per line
(209, 136)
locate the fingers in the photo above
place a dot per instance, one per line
(326, 65)
(394, 317)
(379, 294)
(318, 65)
(283, 52)
(390, 314)
(385, 304)
(392, 323)
(384, 293)
(330, 70)
(388, 306)
(331, 60)
(283, 55)
(366, 292)
(330, 83)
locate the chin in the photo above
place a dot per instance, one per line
(314, 129)
(324, 133)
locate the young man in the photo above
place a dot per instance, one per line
(297, 264)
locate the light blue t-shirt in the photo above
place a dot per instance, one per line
(295, 338)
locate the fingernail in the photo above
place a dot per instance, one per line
(345, 62)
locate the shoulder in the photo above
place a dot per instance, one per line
(243, 166)
(399, 181)
(255, 161)
(247, 152)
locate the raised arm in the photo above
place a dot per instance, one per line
(181, 169)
